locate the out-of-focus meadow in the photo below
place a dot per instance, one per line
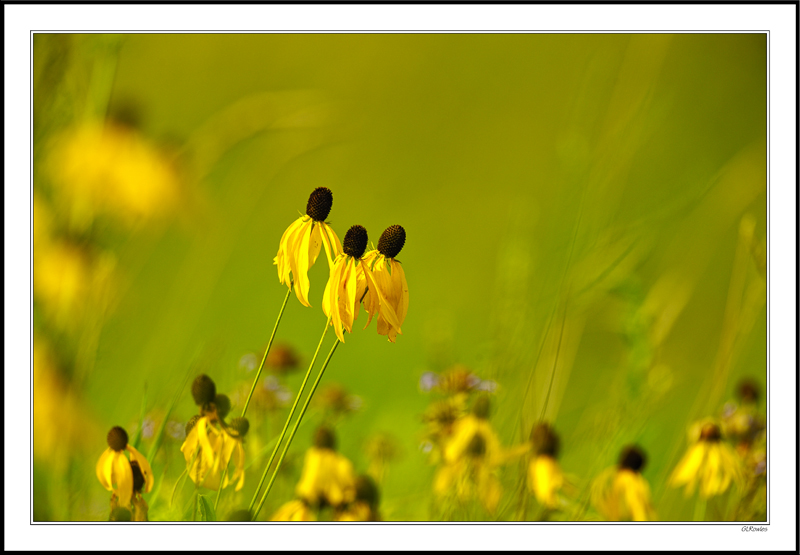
(586, 246)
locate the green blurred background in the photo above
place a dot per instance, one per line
(579, 202)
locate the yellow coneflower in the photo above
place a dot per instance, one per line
(545, 478)
(348, 283)
(114, 469)
(471, 458)
(232, 449)
(390, 278)
(301, 242)
(327, 477)
(211, 444)
(710, 463)
(365, 506)
(107, 167)
(622, 493)
(140, 506)
(296, 510)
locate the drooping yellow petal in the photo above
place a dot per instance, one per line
(315, 243)
(302, 263)
(443, 480)
(206, 449)
(351, 284)
(688, 468)
(400, 285)
(239, 466)
(333, 247)
(144, 466)
(123, 476)
(546, 480)
(635, 493)
(711, 479)
(103, 468)
(306, 487)
(282, 258)
(373, 260)
(464, 430)
(386, 309)
(333, 296)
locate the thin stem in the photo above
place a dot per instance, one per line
(196, 501)
(555, 362)
(289, 418)
(266, 352)
(294, 429)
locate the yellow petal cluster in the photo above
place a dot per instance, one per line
(471, 474)
(711, 464)
(298, 251)
(390, 279)
(101, 167)
(327, 476)
(115, 474)
(208, 451)
(623, 494)
(545, 480)
(348, 282)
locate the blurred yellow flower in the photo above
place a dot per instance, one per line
(105, 167)
(710, 463)
(348, 284)
(301, 242)
(365, 506)
(62, 428)
(327, 476)
(390, 278)
(622, 493)
(545, 478)
(471, 457)
(114, 470)
(296, 510)
(61, 280)
(208, 451)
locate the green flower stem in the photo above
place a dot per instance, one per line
(255, 381)
(266, 352)
(294, 429)
(289, 418)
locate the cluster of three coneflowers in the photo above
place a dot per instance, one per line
(375, 279)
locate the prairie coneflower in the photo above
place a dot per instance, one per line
(114, 468)
(622, 493)
(301, 242)
(390, 278)
(710, 462)
(348, 282)
(471, 457)
(545, 478)
(365, 506)
(327, 477)
(211, 444)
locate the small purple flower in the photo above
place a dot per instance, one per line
(175, 430)
(248, 362)
(487, 385)
(428, 381)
